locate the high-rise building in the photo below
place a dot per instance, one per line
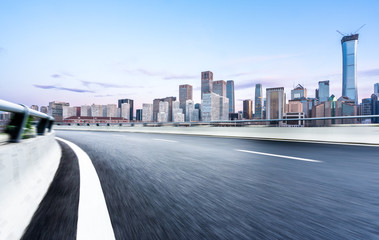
(56, 110)
(185, 93)
(276, 101)
(156, 107)
(299, 92)
(349, 67)
(112, 110)
(44, 109)
(85, 111)
(258, 101)
(198, 106)
(219, 87)
(294, 106)
(375, 107)
(125, 110)
(147, 112)
(163, 112)
(230, 95)
(247, 109)
(210, 107)
(131, 110)
(376, 88)
(34, 107)
(177, 112)
(139, 115)
(366, 106)
(316, 94)
(68, 111)
(98, 110)
(323, 91)
(190, 106)
(206, 82)
(224, 108)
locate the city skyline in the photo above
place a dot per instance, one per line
(56, 53)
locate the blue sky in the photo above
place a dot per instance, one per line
(88, 52)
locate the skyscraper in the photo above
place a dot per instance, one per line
(185, 93)
(56, 110)
(111, 110)
(299, 92)
(219, 87)
(258, 101)
(276, 101)
(349, 67)
(147, 112)
(139, 115)
(206, 82)
(376, 88)
(214, 107)
(230, 95)
(125, 111)
(130, 101)
(247, 109)
(156, 107)
(323, 91)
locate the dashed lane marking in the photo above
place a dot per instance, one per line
(280, 156)
(164, 140)
(93, 217)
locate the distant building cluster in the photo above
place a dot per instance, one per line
(218, 102)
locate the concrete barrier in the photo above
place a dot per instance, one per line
(357, 134)
(26, 171)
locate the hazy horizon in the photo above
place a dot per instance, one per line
(98, 52)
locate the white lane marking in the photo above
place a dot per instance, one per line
(164, 140)
(93, 217)
(281, 156)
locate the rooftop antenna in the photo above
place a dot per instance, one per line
(343, 34)
(359, 28)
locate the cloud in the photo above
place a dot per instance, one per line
(177, 77)
(144, 72)
(61, 75)
(254, 59)
(265, 81)
(105, 95)
(369, 73)
(161, 74)
(107, 85)
(56, 76)
(63, 88)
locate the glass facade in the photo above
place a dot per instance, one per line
(323, 91)
(258, 101)
(247, 109)
(206, 82)
(230, 95)
(349, 67)
(276, 100)
(376, 88)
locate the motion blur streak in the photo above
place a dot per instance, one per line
(200, 188)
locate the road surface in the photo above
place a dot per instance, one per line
(159, 186)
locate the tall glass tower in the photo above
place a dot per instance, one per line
(230, 95)
(349, 67)
(258, 101)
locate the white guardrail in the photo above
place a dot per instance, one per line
(27, 169)
(19, 119)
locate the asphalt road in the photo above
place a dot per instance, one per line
(160, 186)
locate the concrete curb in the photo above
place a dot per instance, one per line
(26, 171)
(365, 135)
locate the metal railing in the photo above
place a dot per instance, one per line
(19, 120)
(221, 122)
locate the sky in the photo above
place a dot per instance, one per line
(85, 52)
